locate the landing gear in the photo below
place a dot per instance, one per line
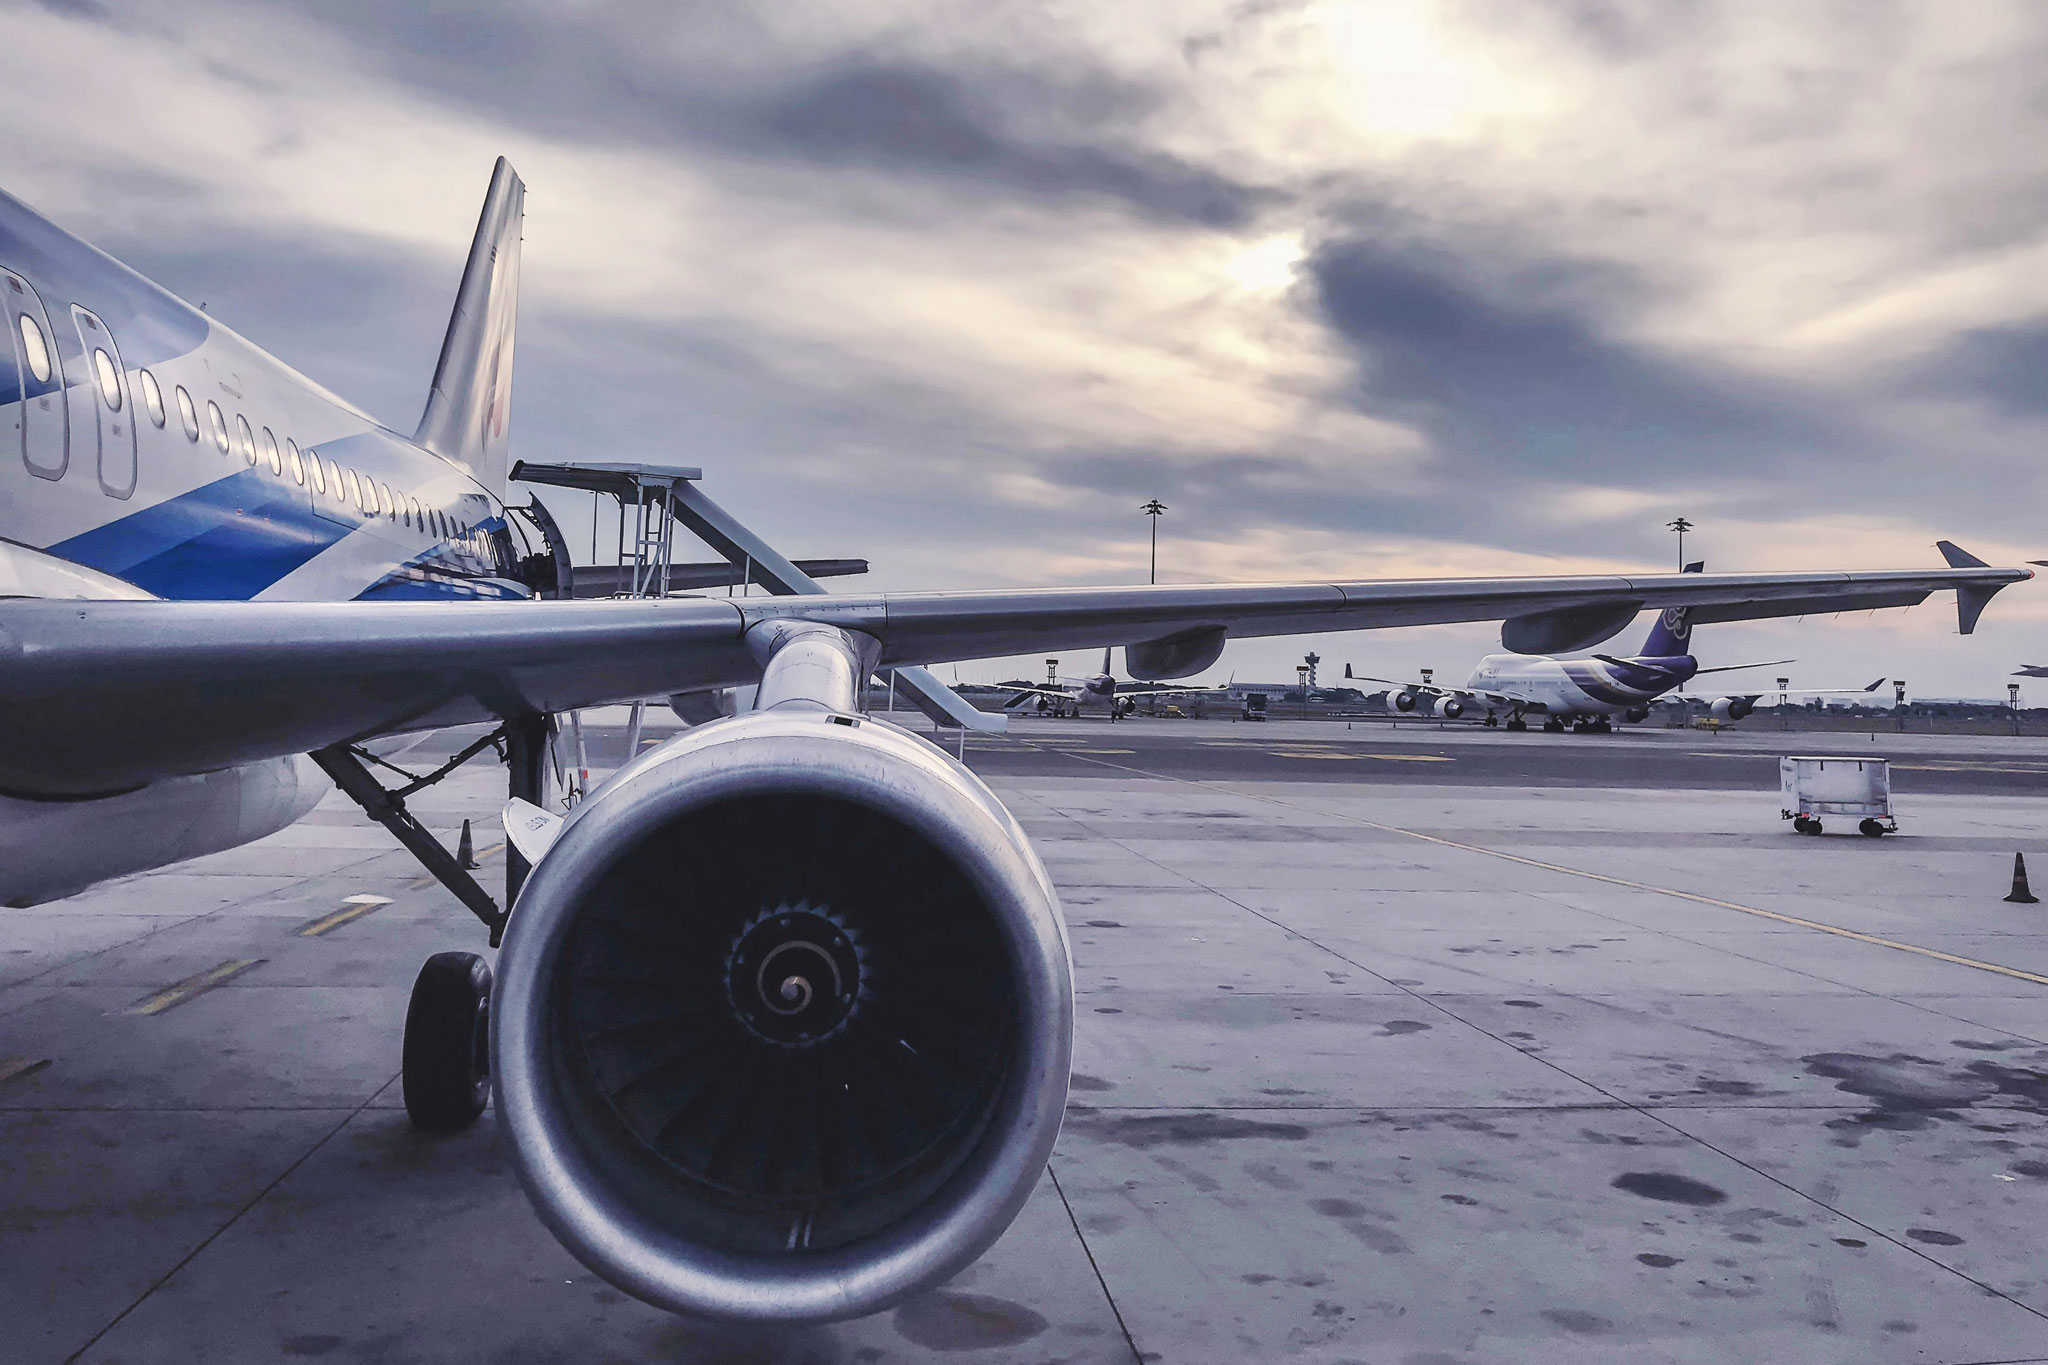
(1491, 720)
(1553, 726)
(1872, 829)
(446, 1070)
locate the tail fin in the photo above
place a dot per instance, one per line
(467, 408)
(1671, 632)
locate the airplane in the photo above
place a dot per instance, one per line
(2031, 671)
(782, 1013)
(1587, 691)
(1103, 691)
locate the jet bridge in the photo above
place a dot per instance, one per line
(653, 500)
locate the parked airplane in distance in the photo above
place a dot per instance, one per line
(782, 1021)
(1586, 692)
(1100, 692)
(2031, 671)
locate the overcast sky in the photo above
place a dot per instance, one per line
(1358, 290)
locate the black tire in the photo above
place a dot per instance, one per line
(1871, 829)
(447, 1059)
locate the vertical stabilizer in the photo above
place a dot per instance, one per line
(1671, 632)
(468, 406)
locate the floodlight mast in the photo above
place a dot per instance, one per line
(1154, 509)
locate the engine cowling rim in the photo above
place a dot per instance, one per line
(978, 1200)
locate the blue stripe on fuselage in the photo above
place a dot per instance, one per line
(223, 541)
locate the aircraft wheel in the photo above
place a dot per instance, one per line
(1517, 724)
(447, 1059)
(1872, 829)
(1553, 727)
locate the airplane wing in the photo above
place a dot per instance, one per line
(107, 693)
(2031, 671)
(1871, 686)
(1034, 691)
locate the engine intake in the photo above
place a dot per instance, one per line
(1733, 708)
(783, 1021)
(1449, 708)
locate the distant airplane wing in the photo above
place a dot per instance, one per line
(1789, 691)
(107, 693)
(1033, 691)
(2031, 671)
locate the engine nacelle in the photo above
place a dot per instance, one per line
(1405, 700)
(1732, 708)
(1449, 708)
(1636, 715)
(783, 1021)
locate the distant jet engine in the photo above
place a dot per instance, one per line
(783, 1021)
(1449, 708)
(1405, 700)
(1125, 705)
(1733, 708)
(1636, 715)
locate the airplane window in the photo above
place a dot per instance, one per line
(219, 424)
(412, 512)
(334, 478)
(188, 414)
(270, 453)
(291, 452)
(245, 440)
(152, 396)
(38, 349)
(355, 494)
(367, 487)
(110, 379)
(384, 503)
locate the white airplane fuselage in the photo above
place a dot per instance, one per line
(1580, 686)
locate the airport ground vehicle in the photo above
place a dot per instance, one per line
(1813, 786)
(1254, 706)
(786, 1092)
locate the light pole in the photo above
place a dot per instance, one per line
(1784, 717)
(1899, 700)
(1680, 525)
(1153, 509)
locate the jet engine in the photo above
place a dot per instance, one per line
(783, 1020)
(1636, 715)
(1449, 708)
(1405, 700)
(1733, 708)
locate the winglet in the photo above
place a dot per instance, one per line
(1958, 557)
(1970, 601)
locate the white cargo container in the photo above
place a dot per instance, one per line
(1811, 786)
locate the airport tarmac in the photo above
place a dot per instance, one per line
(1393, 1046)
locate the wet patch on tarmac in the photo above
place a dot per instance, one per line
(1394, 1028)
(1910, 1094)
(1179, 1130)
(1669, 1187)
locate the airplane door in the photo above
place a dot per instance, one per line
(39, 430)
(107, 383)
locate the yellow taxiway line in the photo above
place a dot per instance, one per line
(192, 986)
(353, 908)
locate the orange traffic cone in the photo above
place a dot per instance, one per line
(2020, 894)
(465, 855)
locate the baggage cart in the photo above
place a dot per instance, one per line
(1813, 786)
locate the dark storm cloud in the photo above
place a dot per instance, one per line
(660, 77)
(1532, 386)
(904, 117)
(2004, 367)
